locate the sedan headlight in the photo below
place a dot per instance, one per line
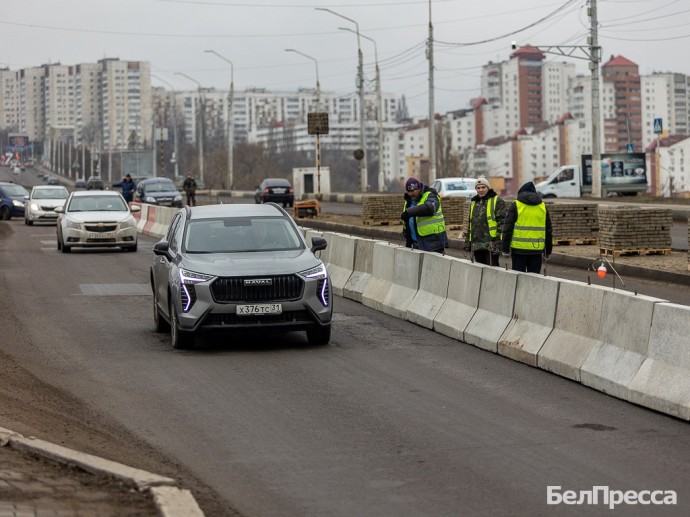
(178, 197)
(128, 223)
(315, 272)
(150, 200)
(18, 203)
(34, 206)
(73, 225)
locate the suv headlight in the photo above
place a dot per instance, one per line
(317, 272)
(192, 277)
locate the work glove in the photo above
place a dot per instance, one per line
(404, 217)
(467, 246)
(547, 257)
(506, 255)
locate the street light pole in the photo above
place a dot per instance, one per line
(432, 118)
(360, 88)
(200, 137)
(379, 110)
(229, 181)
(317, 154)
(176, 161)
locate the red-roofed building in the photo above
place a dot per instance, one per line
(621, 105)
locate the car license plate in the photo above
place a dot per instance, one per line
(102, 235)
(261, 308)
(279, 191)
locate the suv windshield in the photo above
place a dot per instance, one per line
(233, 235)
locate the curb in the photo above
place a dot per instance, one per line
(170, 500)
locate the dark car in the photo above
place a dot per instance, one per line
(95, 183)
(80, 184)
(229, 267)
(275, 190)
(158, 191)
(12, 199)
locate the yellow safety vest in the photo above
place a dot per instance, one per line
(429, 225)
(529, 232)
(490, 217)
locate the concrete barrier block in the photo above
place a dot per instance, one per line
(341, 261)
(534, 314)
(361, 275)
(381, 277)
(325, 254)
(663, 381)
(614, 361)
(432, 292)
(495, 310)
(462, 299)
(406, 272)
(576, 330)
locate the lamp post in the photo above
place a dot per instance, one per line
(379, 109)
(360, 88)
(176, 159)
(317, 154)
(432, 111)
(229, 180)
(200, 138)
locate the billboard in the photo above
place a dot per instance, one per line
(617, 169)
(17, 141)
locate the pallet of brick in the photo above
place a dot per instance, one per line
(574, 223)
(634, 231)
(689, 241)
(454, 212)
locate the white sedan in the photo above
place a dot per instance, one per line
(455, 187)
(96, 218)
(41, 204)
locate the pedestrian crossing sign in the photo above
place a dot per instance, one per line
(658, 126)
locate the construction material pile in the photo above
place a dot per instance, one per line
(634, 230)
(574, 223)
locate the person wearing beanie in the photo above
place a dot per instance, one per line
(527, 232)
(487, 213)
(424, 227)
(128, 187)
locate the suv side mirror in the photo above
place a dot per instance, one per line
(161, 248)
(318, 244)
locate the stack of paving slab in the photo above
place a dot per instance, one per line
(574, 223)
(628, 229)
(385, 209)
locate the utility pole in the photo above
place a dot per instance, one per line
(200, 137)
(432, 125)
(592, 53)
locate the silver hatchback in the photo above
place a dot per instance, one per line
(222, 268)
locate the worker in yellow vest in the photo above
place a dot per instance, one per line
(424, 227)
(527, 232)
(485, 223)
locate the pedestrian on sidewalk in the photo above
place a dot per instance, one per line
(487, 214)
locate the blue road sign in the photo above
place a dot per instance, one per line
(658, 126)
(631, 148)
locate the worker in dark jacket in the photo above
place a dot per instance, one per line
(128, 187)
(487, 213)
(527, 231)
(423, 224)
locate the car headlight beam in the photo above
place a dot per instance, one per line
(317, 272)
(192, 277)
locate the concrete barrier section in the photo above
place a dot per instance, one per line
(663, 381)
(363, 268)
(406, 272)
(341, 261)
(381, 276)
(432, 292)
(624, 331)
(534, 314)
(576, 330)
(495, 310)
(462, 299)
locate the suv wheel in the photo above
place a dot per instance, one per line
(5, 213)
(180, 339)
(319, 336)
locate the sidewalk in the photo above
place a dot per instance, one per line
(38, 478)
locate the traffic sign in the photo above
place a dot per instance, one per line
(317, 123)
(631, 148)
(658, 126)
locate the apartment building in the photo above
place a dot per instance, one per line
(621, 105)
(665, 96)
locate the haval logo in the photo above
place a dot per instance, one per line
(258, 281)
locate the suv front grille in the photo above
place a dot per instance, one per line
(232, 289)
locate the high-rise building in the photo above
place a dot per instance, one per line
(621, 105)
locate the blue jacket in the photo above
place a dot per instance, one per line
(128, 188)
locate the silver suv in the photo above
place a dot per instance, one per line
(226, 267)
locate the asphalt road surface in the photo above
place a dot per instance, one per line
(390, 419)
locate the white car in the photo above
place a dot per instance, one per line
(41, 204)
(96, 218)
(455, 187)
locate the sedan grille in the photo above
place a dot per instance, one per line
(100, 227)
(234, 289)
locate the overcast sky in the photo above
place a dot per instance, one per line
(173, 34)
